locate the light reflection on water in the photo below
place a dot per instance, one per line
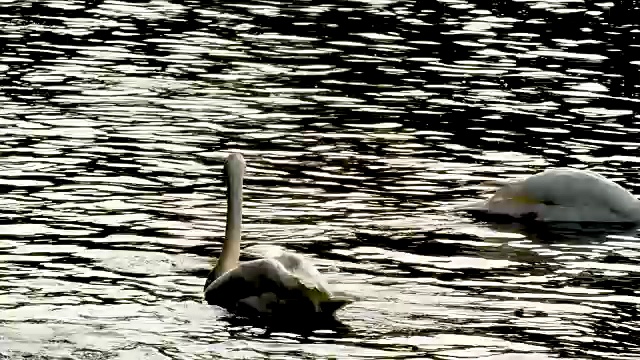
(363, 124)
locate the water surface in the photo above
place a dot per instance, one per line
(363, 123)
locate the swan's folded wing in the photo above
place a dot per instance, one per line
(298, 266)
(315, 287)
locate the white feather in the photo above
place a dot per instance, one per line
(271, 285)
(280, 283)
(562, 195)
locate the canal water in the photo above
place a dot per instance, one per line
(363, 123)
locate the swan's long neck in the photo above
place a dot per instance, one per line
(231, 248)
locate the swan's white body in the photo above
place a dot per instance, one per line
(562, 195)
(282, 283)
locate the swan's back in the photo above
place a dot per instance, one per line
(564, 194)
(285, 284)
(573, 187)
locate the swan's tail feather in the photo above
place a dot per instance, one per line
(334, 304)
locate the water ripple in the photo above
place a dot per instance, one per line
(363, 122)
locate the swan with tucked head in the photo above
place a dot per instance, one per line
(562, 195)
(285, 283)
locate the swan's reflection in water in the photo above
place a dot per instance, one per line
(319, 326)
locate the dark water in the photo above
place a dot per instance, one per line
(362, 122)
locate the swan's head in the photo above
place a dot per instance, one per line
(234, 166)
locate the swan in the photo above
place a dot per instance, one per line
(561, 195)
(283, 283)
